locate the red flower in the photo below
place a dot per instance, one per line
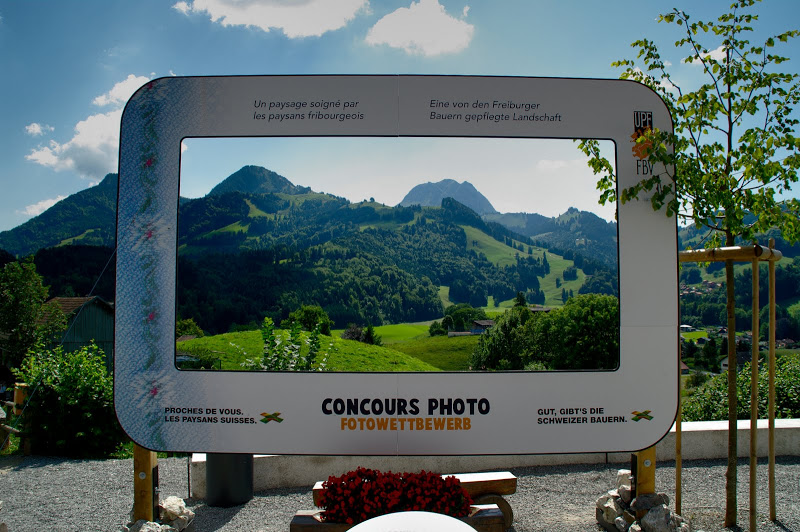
(365, 493)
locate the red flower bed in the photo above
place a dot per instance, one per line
(365, 493)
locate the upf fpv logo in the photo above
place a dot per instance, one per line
(638, 416)
(275, 416)
(642, 123)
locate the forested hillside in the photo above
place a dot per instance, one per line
(258, 245)
(87, 217)
(582, 233)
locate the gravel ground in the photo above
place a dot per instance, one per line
(55, 494)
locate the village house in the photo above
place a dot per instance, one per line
(88, 319)
(481, 326)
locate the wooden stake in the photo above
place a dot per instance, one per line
(754, 400)
(145, 484)
(729, 254)
(21, 391)
(771, 362)
(678, 450)
(731, 478)
(20, 397)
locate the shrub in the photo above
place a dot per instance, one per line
(366, 493)
(309, 317)
(366, 336)
(710, 401)
(70, 411)
(202, 358)
(188, 327)
(353, 332)
(286, 354)
(436, 329)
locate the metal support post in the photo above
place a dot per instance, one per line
(644, 474)
(145, 484)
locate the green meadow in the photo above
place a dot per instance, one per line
(503, 255)
(406, 347)
(342, 355)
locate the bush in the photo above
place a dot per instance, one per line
(436, 329)
(286, 354)
(202, 358)
(365, 493)
(309, 317)
(503, 346)
(188, 327)
(71, 407)
(366, 336)
(710, 401)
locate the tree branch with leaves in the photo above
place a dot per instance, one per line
(733, 147)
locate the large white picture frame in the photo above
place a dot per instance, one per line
(163, 408)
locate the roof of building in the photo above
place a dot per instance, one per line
(70, 305)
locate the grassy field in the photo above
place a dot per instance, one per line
(402, 332)
(76, 239)
(445, 354)
(255, 212)
(496, 252)
(343, 355)
(444, 295)
(694, 335)
(406, 347)
(503, 255)
(548, 284)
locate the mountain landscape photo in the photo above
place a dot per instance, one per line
(258, 245)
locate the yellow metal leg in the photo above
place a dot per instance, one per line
(145, 482)
(645, 476)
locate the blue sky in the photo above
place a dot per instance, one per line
(69, 68)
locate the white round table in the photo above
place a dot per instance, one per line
(413, 522)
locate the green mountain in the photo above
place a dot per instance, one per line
(257, 246)
(89, 217)
(432, 194)
(576, 231)
(257, 180)
(86, 217)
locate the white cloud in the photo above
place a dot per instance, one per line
(668, 86)
(92, 152)
(122, 91)
(38, 208)
(35, 129)
(296, 18)
(664, 83)
(423, 28)
(550, 165)
(718, 54)
(183, 7)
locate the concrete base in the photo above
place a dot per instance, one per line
(699, 440)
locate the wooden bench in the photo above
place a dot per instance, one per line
(484, 488)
